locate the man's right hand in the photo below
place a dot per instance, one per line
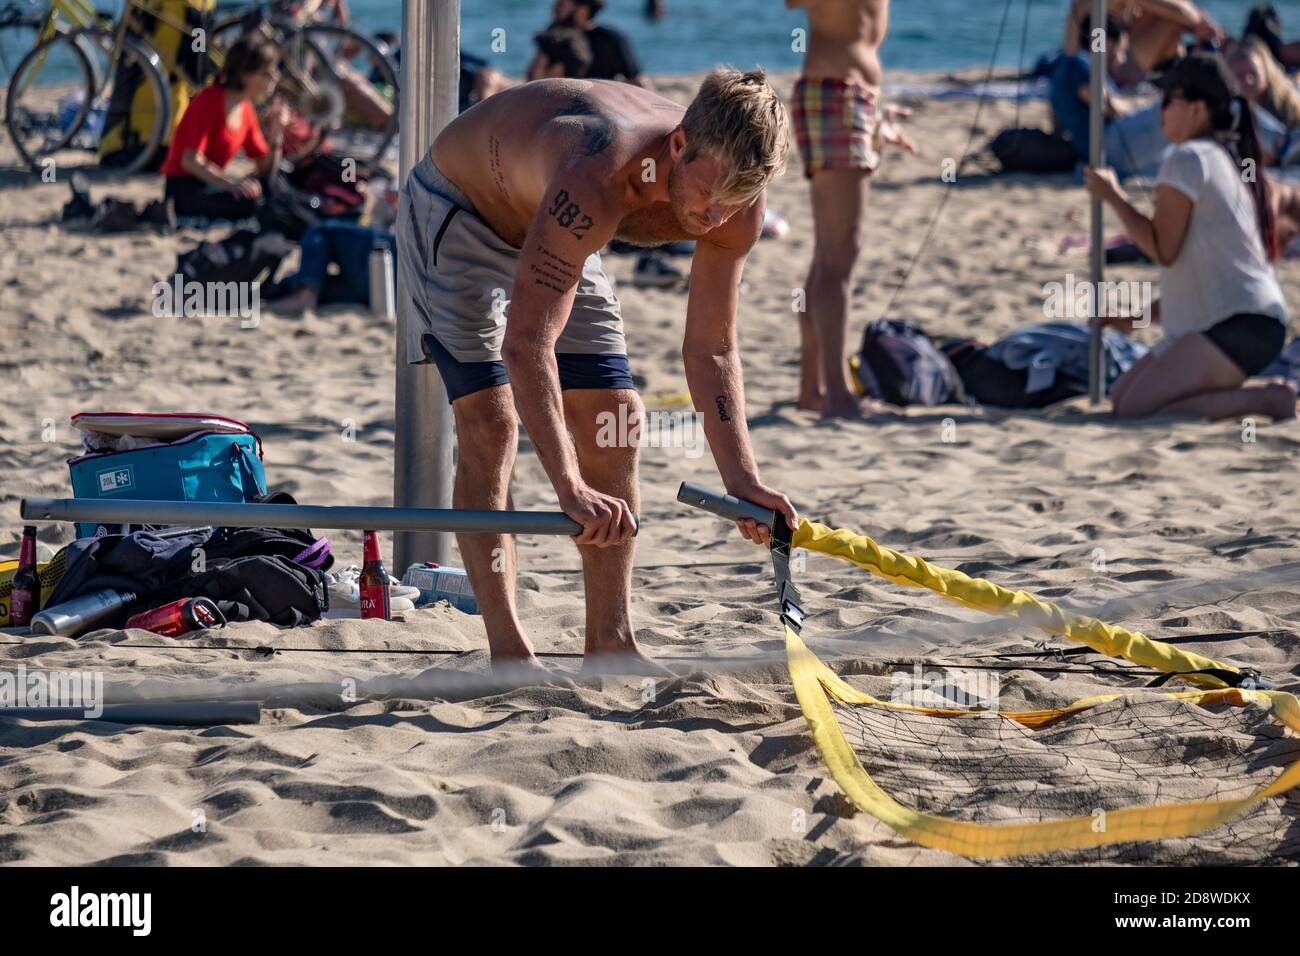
(606, 520)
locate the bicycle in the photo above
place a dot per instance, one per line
(44, 113)
(342, 81)
(86, 64)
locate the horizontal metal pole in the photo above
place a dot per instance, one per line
(722, 505)
(170, 713)
(236, 515)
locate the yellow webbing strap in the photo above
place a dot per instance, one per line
(986, 596)
(813, 680)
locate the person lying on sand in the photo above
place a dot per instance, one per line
(508, 210)
(1214, 234)
(842, 127)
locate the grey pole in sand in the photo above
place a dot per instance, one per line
(168, 713)
(422, 467)
(1096, 159)
(236, 515)
(722, 505)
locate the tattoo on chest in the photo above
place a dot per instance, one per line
(721, 402)
(494, 165)
(569, 214)
(553, 271)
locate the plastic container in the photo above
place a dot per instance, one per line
(441, 583)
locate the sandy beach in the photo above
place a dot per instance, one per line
(1167, 526)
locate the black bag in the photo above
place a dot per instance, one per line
(261, 587)
(1033, 151)
(899, 364)
(989, 382)
(287, 210)
(244, 256)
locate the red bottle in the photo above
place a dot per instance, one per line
(179, 617)
(25, 598)
(374, 581)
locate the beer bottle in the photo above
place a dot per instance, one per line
(25, 599)
(374, 581)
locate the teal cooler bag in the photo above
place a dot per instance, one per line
(210, 466)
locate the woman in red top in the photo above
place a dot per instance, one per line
(219, 122)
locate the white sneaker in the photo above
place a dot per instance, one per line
(346, 592)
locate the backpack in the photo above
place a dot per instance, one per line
(1033, 151)
(288, 210)
(900, 365)
(258, 587)
(243, 256)
(989, 382)
(131, 107)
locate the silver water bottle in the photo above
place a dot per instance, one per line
(81, 613)
(381, 280)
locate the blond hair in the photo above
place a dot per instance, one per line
(737, 119)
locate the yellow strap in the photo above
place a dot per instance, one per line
(986, 596)
(812, 679)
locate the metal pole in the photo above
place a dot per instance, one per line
(422, 464)
(236, 515)
(724, 506)
(1097, 159)
(170, 713)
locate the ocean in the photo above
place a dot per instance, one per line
(696, 34)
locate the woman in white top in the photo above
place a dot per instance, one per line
(1214, 235)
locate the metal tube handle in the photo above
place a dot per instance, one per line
(723, 505)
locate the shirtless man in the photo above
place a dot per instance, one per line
(1155, 30)
(510, 208)
(840, 126)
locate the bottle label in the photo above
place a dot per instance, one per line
(20, 608)
(374, 602)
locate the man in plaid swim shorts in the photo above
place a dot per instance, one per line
(840, 127)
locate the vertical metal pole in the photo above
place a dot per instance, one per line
(430, 96)
(1097, 159)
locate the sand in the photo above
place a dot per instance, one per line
(1165, 526)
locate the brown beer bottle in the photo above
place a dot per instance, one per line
(25, 599)
(373, 582)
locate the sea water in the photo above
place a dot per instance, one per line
(696, 34)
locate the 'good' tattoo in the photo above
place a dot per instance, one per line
(553, 272)
(567, 214)
(721, 402)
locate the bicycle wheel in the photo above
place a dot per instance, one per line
(336, 78)
(48, 98)
(136, 100)
(22, 26)
(368, 80)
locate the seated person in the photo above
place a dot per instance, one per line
(342, 244)
(1214, 236)
(1263, 82)
(218, 123)
(1134, 143)
(1155, 29)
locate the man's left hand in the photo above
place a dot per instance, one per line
(766, 497)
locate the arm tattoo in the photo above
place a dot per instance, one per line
(721, 402)
(569, 214)
(494, 165)
(553, 272)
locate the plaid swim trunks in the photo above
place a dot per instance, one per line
(836, 124)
